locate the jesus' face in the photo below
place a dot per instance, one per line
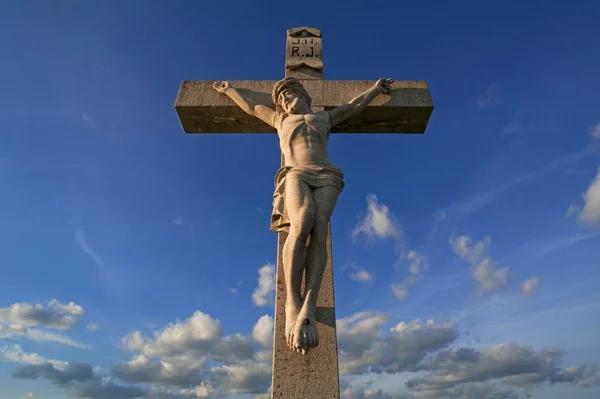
(291, 102)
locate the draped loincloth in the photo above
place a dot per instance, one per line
(315, 175)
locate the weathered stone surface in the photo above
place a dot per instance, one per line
(304, 53)
(405, 110)
(314, 375)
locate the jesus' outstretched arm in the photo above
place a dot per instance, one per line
(249, 106)
(358, 104)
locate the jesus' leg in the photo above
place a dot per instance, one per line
(301, 210)
(306, 334)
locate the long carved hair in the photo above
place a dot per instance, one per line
(292, 84)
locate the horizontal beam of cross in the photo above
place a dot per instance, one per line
(405, 110)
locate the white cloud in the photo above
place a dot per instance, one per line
(204, 390)
(467, 391)
(50, 336)
(234, 348)
(244, 378)
(360, 274)
(529, 286)
(571, 210)
(52, 315)
(234, 290)
(365, 391)
(492, 96)
(181, 370)
(417, 265)
(193, 356)
(69, 308)
(378, 223)
(488, 277)
(515, 125)
(17, 320)
(591, 210)
(82, 241)
(15, 354)
(399, 291)
(595, 131)
(477, 202)
(80, 380)
(92, 326)
(589, 375)
(108, 275)
(363, 349)
(178, 221)
(356, 333)
(88, 120)
(473, 254)
(134, 342)
(514, 365)
(439, 218)
(503, 371)
(176, 363)
(198, 333)
(9, 330)
(263, 331)
(263, 294)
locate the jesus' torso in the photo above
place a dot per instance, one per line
(303, 138)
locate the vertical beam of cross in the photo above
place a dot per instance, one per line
(314, 375)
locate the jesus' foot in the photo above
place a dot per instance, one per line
(291, 314)
(305, 331)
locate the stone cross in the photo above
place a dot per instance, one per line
(406, 109)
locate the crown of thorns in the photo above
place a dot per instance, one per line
(292, 84)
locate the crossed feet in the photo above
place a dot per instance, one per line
(300, 327)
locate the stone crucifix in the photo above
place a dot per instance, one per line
(303, 109)
(307, 189)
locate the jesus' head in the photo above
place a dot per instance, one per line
(290, 97)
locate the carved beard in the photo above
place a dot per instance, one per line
(292, 106)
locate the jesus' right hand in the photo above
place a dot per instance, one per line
(221, 86)
(384, 85)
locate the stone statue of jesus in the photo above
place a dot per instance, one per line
(306, 191)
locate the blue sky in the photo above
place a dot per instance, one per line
(142, 255)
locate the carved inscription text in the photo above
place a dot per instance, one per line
(304, 49)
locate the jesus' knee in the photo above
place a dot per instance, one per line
(302, 222)
(320, 230)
